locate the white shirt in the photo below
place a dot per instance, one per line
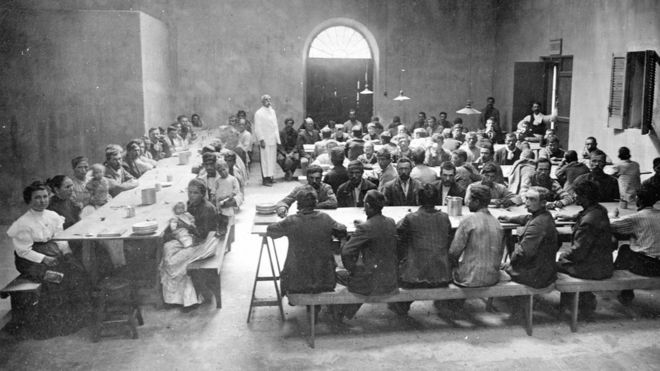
(265, 126)
(36, 226)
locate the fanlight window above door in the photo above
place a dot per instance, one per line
(340, 42)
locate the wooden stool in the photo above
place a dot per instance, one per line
(115, 302)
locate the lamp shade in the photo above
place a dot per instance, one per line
(468, 110)
(366, 90)
(401, 97)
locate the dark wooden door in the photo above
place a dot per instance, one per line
(332, 89)
(529, 85)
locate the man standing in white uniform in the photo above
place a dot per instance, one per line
(267, 134)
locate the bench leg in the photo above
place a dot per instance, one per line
(574, 311)
(214, 284)
(529, 313)
(312, 324)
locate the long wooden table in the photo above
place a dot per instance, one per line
(110, 222)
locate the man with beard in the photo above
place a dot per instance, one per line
(486, 157)
(326, 197)
(352, 192)
(120, 179)
(267, 135)
(608, 187)
(447, 186)
(557, 197)
(499, 193)
(287, 151)
(386, 171)
(403, 190)
(488, 112)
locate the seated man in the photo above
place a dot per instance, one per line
(403, 190)
(385, 171)
(608, 187)
(590, 146)
(435, 154)
(499, 194)
(338, 175)
(369, 256)
(288, 156)
(309, 266)
(423, 247)
(340, 134)
(175, 142)
(454, 142)
(466, 174)
(321, 146)
(590, 253)
(447, 186)
(403, 148)
(627, 175)
(510, 153)
(372, 135)
(642, 255)
(470, 146)
(352, 192)
(557, 198)
(354, 146)
(326, 198)
(324, 160)
(478, 245)
(552, 151)
(421, 172)
(307, 135)
(487, 158)
(368, 158)
(521, 169)
(120, 179)
(533, 258)
(569, 169)
(158, 147)
(653, 183)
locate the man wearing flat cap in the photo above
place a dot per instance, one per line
(352, 192)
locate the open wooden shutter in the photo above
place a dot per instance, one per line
(617, 85)
(650, 60)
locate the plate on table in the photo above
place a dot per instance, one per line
(143, 233)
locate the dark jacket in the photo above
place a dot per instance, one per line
(590, 254)
(346, 197)
(567, 173)
(533, 259)
(608, 187)
(394, 193)
(500, 156)
(310, 265)
(424, 247)
(354, 148)
(455, 190)
(159, 150)
(337, 176)
(370, 257)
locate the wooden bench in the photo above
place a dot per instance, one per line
(22, 293)
(341, 295)
(620, 280)
(206, 272)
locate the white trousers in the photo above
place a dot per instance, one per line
(268, 160)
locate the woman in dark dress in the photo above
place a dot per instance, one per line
(61, 201)
(62, 306)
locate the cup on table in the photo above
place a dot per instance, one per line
(170, 177)
(157, 186)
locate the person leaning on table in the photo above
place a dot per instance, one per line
(423, 247)
(369, 257)
(478, 245)
(499, 194)
(533, 258)
(642, 255)
(309, 266)
(590, 253)
(326, 197)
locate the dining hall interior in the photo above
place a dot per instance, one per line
(80, 75)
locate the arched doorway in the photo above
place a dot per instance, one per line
(340, 62)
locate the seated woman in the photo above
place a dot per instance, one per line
(61, 201)
(178, 287)
(63, 303)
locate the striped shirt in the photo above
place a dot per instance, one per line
(644, 229)
(477, 249)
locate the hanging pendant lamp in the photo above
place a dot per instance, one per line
(468, 110)
(401, 97)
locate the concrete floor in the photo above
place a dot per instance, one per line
(206, 338)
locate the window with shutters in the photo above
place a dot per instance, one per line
(632, 91)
